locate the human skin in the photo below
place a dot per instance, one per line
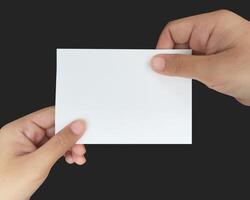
(29, 149)
(220, 42)
(221, 45)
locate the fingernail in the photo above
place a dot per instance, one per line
(158, 64)
(77, 127)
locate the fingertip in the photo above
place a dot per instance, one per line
(78, 127)
(69, 159)
(79, 149)
(80, 161)
(158, 63)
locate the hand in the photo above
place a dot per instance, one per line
(28, 150)
(221, 46)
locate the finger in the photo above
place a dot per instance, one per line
(79, 160)
(195, 67)
(33, 132)
(34, 125)
(43, 141)
(69, 158)
(44, 118)
(190, 32)
(50, 132)
(181, 46)
(78, 149)
(165, 40)
(58, 145)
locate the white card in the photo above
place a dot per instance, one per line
(122, 100)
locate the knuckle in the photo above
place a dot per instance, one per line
(8, 126)
(225, 12)
(50, 108)
(27, 124)
(5, 127)
(166, 28)
(170, 23)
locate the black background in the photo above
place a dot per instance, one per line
(215, 166)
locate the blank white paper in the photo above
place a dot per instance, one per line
(121, 99)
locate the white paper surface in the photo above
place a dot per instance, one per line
(122, 100)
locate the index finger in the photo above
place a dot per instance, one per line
(44, 118)
(190, 32)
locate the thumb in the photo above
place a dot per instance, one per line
(189, 66)
(58, 145)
